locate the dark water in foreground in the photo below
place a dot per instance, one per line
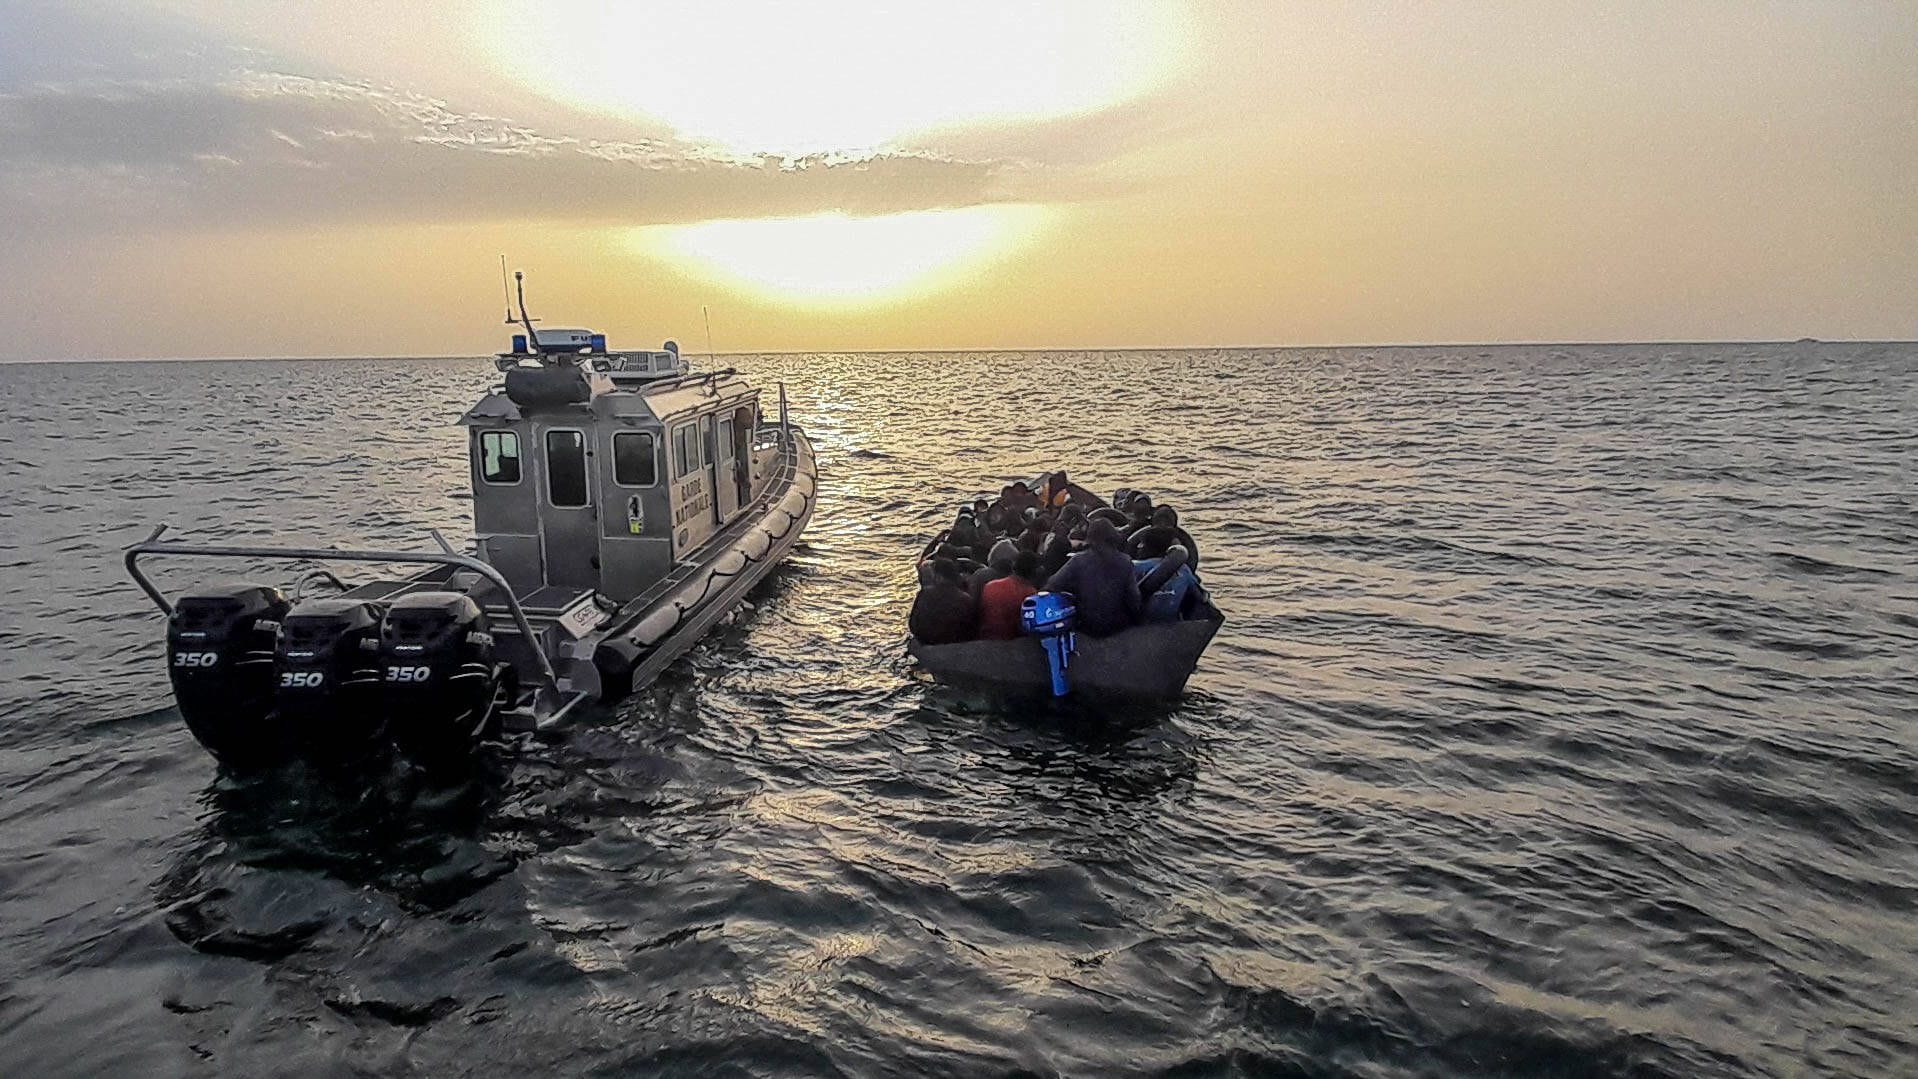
(1566, 723)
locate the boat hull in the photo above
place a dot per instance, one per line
(1149, 662)
(665, 623)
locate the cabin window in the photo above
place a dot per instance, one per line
(706, 440)
(633, 459)
(726, 439)
(685, 451)
(566, 468)
(499, 456)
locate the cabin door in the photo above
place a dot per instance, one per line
(712, 466)
(726, 468)
(743, 453)
(569, 522)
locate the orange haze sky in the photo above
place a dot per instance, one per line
(225, 177)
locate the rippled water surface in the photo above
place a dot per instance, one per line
(1565, 722)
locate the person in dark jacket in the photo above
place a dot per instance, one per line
(1004, 516)
(1102, 582)
(966, 542)
(1138, 509)
(1059, 545)
(1038, 527)
(1164, 532)
(942, 612)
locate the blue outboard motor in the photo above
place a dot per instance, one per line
(1049, 616)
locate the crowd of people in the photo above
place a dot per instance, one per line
(1125, 562)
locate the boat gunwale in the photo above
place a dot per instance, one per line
(963, 662)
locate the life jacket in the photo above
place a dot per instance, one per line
(1055, 498)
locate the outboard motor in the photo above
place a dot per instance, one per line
(326, 678)
(1050, 617)
(437, 674)
(219, 645)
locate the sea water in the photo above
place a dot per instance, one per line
(1565, 721)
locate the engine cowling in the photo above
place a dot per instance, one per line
(220, 642)
(326, 678)
(438, 674)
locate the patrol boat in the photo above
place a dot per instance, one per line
(622, 506)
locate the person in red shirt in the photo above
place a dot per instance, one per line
(1001, 600)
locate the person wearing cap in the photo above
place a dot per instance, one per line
(998, 564)
(1102, 582)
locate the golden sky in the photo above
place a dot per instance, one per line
(231, 177)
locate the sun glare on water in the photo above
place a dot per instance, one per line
(796, 77)
(832, 259)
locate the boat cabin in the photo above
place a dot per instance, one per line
(601, 471)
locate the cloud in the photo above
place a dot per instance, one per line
(262, 148)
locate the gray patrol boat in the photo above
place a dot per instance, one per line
(622, 506)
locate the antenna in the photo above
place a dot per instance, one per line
(532, 338)
(504, 292)
(708, 316)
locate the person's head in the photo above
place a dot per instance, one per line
(1027, 566)
(1003, 555)
(1041, 522)
(945, 571)
(1140, 507)
(1166, 517)
(1018, 487)
(979, 508)
(964, 530)
(1102, 534)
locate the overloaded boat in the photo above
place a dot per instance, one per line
(1144, 663)
(622, 506)
(1149, 661)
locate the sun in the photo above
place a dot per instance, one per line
(833, 260)
(795, 77)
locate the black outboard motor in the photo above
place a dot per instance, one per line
(438, 674)
(219, 654)
(327, 678)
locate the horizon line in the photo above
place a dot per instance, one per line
(1022, 349)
